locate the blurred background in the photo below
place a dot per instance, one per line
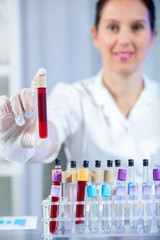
(56, 35)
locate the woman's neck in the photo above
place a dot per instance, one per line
(125, 90)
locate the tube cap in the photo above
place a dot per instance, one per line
(57, 161)
(57, 176)
(156, 174)
(109, 163)
(92, 191)
(117, 163)
(67, 176)
(41, 78)
(83, 175)
(75, 176)
(108, 175)
(98, 163)
(131, 162)
(85, 163)
(122, 173)
(73, 164)
(96, 176)
(145, 162)
(106, 190)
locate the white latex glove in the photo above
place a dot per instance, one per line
(19, 125)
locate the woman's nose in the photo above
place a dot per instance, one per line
(124, 37)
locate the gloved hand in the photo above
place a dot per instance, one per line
(19, 124)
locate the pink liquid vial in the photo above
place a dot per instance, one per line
(42, 104)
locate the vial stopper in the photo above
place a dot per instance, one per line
(98, 163)
(131, 162)
(117, 163)
(57, 176)
(122, 173)
(156, 174)
(85, 163)
(73, 164)
(57, 162)
(106, 190)
(109, 163)
(92, 191)
(145, 162)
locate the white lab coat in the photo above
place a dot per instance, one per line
(92, 126)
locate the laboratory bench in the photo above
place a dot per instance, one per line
(37, 235)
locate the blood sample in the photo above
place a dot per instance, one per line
(42, 103)
(83, 176)
(55, 197)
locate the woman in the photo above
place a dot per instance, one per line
(109, 116)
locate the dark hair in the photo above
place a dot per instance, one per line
(148, 3)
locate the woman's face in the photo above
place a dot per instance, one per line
(124, 35)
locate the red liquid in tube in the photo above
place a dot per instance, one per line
(53, 227)
(42, 113)
(80, 197)
(55, 197)
(42, 105)
(83, 176)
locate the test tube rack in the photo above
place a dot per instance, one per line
(63, 219)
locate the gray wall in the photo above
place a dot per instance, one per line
(56, 35)
(153, 59)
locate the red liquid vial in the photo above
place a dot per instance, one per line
(42, 105)
(55, 197)
(83, 176)
(80, 197)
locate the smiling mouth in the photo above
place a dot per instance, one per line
(124, 56)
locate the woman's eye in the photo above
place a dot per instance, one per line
(137, 27)
(113, 28)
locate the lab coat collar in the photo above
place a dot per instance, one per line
(103, 98)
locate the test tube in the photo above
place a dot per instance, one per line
(83, 176)
(146, 195)
(68, 199)
(96, 177)
(120, 197)
(55, 197)
(131, 170)
(93, 208)
(117, 167)
(42, 103)
(106, 194)
(133, 191)
(156, 178)
(73, 167)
